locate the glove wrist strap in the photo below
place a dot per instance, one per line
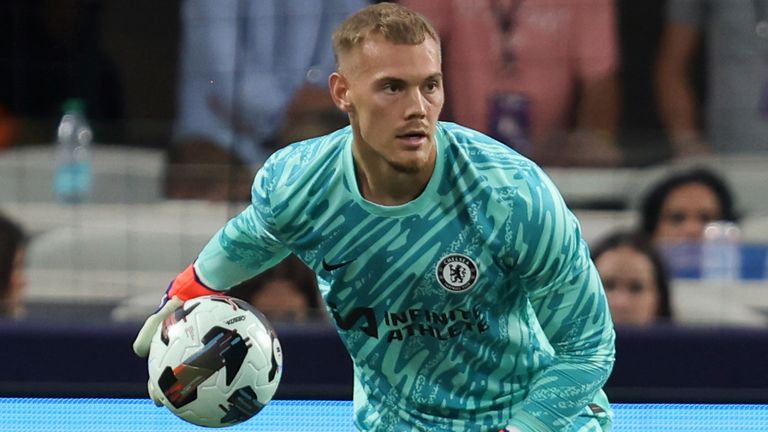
(188, 286)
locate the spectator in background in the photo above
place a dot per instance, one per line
(735, 34)
(539, 75)
(284, 293)
(679, 207)
(676, 211)
(12, 275)
(635, 279)
(245, 66)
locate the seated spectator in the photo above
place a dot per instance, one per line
(12, 275)
(284, 293)
(253, 77)
(634, 277)
(679, 207)
(676, 211)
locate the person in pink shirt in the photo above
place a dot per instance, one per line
(539, 75)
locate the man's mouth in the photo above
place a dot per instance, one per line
(415, 136)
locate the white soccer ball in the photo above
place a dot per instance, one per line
(216, 361)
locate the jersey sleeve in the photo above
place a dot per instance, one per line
(248, 244)
(568, 299)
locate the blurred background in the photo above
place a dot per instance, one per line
(130, 132)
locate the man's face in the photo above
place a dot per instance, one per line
(394, 95)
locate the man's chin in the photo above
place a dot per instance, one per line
(406, 168)
(410, 166)
(411, 162)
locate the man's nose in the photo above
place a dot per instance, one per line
(417, 104)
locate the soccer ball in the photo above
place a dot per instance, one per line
(216, 361)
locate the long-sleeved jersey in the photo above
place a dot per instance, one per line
(472, 307)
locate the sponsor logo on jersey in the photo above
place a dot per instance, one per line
(348, 321)
(396, 326)
(456, 272)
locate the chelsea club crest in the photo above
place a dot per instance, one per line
(456, 272)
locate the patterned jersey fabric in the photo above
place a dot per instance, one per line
(472, 307)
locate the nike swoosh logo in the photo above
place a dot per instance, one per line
(332, 267)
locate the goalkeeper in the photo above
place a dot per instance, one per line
(457, 278)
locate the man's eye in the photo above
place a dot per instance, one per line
(391, 87)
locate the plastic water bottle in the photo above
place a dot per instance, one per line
(721, 251)
(72, 177)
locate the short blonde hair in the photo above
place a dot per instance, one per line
(396, 23)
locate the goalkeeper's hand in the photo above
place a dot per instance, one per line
(184, 287)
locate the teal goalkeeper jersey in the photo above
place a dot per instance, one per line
(472, 307)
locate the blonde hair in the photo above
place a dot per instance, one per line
(397, 24)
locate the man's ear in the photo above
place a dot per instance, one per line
(339, 87)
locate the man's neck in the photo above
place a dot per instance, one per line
(380, 183)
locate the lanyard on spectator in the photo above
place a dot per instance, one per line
(761, 18)
(505, 13)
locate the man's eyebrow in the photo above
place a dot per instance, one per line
(435, 76)
(391, 79)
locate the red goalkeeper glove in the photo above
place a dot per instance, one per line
(184, 287)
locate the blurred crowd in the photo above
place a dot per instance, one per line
(637, 265)
(567, 83)
(220, 85)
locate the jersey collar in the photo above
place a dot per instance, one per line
(427, 196)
